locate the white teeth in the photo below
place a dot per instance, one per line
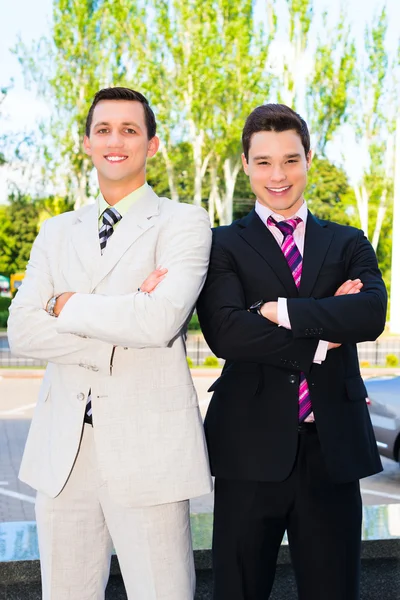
(116, 158)
(279, 189)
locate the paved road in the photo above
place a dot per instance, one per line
(17, 400)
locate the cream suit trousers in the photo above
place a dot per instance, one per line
(78, 529)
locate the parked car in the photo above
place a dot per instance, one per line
(384, 407)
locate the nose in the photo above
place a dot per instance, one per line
(277, 174)
(115, 140)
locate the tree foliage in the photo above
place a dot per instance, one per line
(329, 194)
(20, 220)
(204, 66)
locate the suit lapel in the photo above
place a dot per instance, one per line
(257, 235)
(85, 239)
(317, 241)
(131, 227)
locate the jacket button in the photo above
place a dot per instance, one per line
(292, 379)
(80, 396)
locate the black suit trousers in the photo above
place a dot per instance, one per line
(323, 524)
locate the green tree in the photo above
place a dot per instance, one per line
(242, 83)
(18, 228)
(331, 87)
(3, 95)
(20, 220)
(329, 194)
(158, 177)
(84, 54)
(374, 127)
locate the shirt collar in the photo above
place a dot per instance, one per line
(264, 212)
(125, 203)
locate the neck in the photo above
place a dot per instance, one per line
(287, 213)
(113, 191)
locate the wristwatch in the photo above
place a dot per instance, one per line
(51, 305)
(256, 307)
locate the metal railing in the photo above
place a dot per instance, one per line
(373, 353)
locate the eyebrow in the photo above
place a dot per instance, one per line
(266, 157)
(125, 123)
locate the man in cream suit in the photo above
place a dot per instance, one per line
(116, 445)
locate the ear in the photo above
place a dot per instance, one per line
(153, 146)
(309, 158)
(245, 164)
(87, 146)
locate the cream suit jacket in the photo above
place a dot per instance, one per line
(148, 430)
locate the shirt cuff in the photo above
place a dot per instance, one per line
(321, 351)
(283, 315)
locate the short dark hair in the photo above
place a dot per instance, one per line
(122, 93)
(274, 117)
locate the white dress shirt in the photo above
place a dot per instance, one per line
(299, 234)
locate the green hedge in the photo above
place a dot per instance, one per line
(3, 318)
(211, 361)
(392, 360)
(4, 303)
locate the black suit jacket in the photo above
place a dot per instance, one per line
(251, 423)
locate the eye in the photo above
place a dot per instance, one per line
(264, 162)
(293, 160)
(129, 130)
(102, 131)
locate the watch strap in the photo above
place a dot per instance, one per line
(51, 305)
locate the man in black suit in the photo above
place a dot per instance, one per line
(288, 429)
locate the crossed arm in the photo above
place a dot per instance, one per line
(356, 312)
(87, 323)
(270, 311)
(32, 332)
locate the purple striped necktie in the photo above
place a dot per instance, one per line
(295, 262)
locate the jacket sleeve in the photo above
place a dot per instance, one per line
(32, 332)
(141, 320)
(353, 318)
(237, 335)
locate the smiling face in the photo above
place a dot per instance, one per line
(277, 169)
(119, 146)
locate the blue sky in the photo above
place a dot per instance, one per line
(31, 19)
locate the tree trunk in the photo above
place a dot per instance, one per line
(214, 201)
(197, 145)
(81, 198)
(170, 173)
(379, 220)
(362, 206)
(231, 170)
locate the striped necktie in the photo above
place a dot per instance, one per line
(109, 219)
(295, 262)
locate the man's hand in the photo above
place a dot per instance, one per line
(332, 345)
(351, 286)
(152, 281)
(269, 310)
(61, 302)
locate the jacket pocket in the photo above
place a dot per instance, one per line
(355, 388)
